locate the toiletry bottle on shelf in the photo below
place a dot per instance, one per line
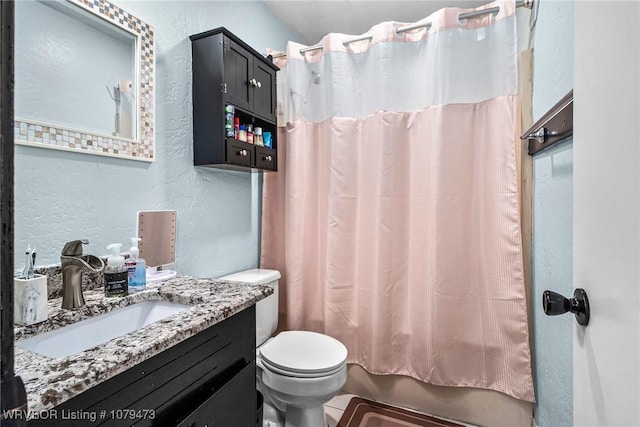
(266, 139)
(257, 136)
(229, 112)
(116, 281)
(236, 127)
(137, 275)
(250, 134)
(242, 133)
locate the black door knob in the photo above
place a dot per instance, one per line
(553, 304)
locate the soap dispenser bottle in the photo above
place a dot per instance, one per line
(115, 273)
(137, 268)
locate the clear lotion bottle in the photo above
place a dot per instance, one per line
(116, 281)
(137, 268)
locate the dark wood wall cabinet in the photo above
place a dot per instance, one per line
(208, 379)
(227, 71)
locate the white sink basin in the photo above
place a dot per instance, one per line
(98, 330)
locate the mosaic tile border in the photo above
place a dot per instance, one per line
(28, 132)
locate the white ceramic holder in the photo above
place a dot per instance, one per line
(30, 300)
(154, 275)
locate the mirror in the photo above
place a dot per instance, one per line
(157, 233)
(84, 75)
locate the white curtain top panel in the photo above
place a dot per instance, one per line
(466, 64)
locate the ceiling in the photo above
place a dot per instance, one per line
(312, 20)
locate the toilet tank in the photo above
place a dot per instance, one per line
(267, 308)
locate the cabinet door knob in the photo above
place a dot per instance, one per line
(253, 82)
(258, 84)
(267, 158)
(242, 153)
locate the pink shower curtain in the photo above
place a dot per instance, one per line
(394, 215)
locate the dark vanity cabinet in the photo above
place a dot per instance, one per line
(227, 71)
(208, 379)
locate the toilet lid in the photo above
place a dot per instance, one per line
(304, 352)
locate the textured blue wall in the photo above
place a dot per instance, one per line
(63, 196)
(553, 219)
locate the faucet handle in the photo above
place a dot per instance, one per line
(74, 248)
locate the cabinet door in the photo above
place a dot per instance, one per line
(237, 71)
(233, 405)
(264, 91)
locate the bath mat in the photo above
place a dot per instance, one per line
(365, 413)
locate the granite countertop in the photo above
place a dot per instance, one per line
(49, 382)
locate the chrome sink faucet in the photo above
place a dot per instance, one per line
(74, 264)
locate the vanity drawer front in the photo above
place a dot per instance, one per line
(229, 406)
(186, 390)
(239, 153)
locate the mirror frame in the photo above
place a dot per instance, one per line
(143, 148)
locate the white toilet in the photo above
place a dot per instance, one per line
(297, 371)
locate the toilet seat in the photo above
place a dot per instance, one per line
(303, 354)
(287, 373)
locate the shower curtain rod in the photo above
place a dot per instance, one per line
(470, 15)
